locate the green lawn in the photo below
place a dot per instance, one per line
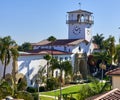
(45, 98)
(72, 89)
(68, 90)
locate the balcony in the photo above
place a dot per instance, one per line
(80, 22)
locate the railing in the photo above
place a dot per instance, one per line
(76, 21)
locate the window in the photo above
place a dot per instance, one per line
(61, 58)
(65, 49)
(82, 18)
(79, 48)
(56, 73)
(56, 57)
(69, 50)
(66, 58)
(78, 18)
(39, 47)
(31, 82)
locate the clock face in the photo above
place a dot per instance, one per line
(76, 30)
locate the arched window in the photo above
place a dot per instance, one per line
(78, 18)
(82, 18)
(79, 48)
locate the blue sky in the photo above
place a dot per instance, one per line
(35, 20)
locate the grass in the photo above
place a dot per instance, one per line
(67, 90)
(46, 98)
(70, 89)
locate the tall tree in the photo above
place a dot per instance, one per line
(117, 54)
(62, 66)
(109, 47)
(98, 39)
(7, 50)
(26, 46)
(48, 58)
(52, 39)
(103, 56)
(111, 41)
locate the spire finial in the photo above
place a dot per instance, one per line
(79, 5)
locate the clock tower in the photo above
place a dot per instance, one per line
(79, 24)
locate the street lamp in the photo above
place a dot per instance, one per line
(60, 79)
(103, 67)
(38, 82)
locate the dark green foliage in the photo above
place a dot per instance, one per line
(95, 88)
(25, 47)
(52, 83)
(98, 39)
(22, 85)
(8, 50)
(31, 89)
(24, 95)
(85, 92)
(70, 98)
(5, 89)
(35, 96)
(41, 89)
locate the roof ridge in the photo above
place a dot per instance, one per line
(100, 98)
(112, 70)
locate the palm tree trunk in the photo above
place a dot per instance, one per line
(4, 69)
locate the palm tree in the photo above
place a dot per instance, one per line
(117, 54)
(62, 66)
(48, 58)
(7, 50)
(52, 39)
(98, 39)
(109, 47)
(103, 56)
(67, 67)
(111, 41)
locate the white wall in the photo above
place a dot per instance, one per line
(30, 65)
(8, 68)
(115, 82)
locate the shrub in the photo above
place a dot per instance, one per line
(22, 85)
(5, 89)
(35, 96)
(24, 95)
(31, 89)
(41, 88)
(52, 83)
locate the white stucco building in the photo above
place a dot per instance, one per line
(75, 49)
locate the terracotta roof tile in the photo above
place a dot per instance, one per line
(44, 52)
(114, 72)
(58, 42)
(95, 46)
(112, 95)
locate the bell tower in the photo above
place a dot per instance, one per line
(79, 24)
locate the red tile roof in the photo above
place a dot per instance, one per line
(114, 72)
(112, 95)
(67, 42)
(95, 46)
(44, 52)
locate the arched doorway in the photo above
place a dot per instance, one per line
(81, 65)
